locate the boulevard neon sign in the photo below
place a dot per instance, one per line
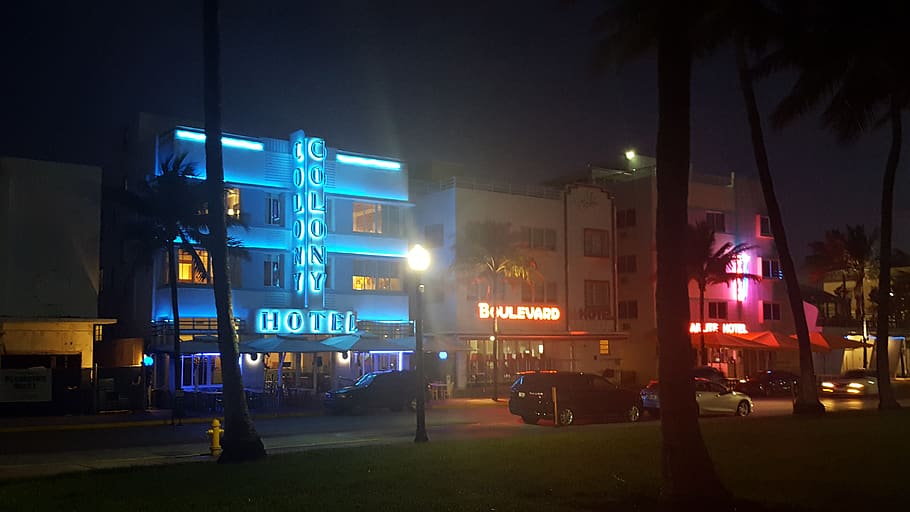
(299, 321)
(485, 311)
(726, 328)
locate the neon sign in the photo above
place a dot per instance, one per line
(518, 312)
(299, 321)
(726, 328)
(309, 228)
(741, 266)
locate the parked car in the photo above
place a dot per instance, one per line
(711, 397)
(710, 373)
(578, 395)
(390, 389)
(852, 382)
(769, 383)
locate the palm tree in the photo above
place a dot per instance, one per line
(853, 254)
(632, 27)
(707, 265)
(864, 82)
(241, 441)
(489, 253)
(169, 215)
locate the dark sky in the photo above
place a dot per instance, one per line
(502, 87)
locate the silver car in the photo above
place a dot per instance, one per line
(711, 397)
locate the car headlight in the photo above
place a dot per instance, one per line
(827, 384)
(855, 385)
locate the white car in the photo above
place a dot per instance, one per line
(712, 398)
(852, 382)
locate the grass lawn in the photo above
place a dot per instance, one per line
(845, 461)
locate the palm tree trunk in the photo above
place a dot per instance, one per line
(861, 302)
(176, 407)
(687, 472)
(806, 401)
(495, 342)
(241, 441)
(701, 318)
(886, 398)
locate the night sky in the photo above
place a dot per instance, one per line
(503, 88)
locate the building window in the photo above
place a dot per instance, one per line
(232, 202)
(626, 264)
(189, 272)
(538, 238)
(433, 235)
(596, 243)
(716, 221)
(376, 218)
(597, 295)
(272, 271)
(627, 309)
(604, 347)
(539, 293)
(376, 275)
(273, 210)
(771, 311)
(764, 226)
(625, 218)
(771, 269)
(717, 310)
(97, 332)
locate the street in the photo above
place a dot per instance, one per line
(28, 453)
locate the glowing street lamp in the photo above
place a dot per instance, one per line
(630, 154)
(419, 261)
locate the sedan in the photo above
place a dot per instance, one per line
(770, 383)
(852, 382)
(711, 397)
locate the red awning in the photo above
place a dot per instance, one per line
(718, 339)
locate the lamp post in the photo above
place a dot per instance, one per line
(419, 261)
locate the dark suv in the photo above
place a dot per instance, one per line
(375, 390)
(770, 383)
(577, 395)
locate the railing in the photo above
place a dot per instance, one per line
(188, 325)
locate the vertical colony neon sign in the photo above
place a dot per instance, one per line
(309, 225)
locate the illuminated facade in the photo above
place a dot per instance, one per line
(565, 320)
(325, 238)
(49, 270)
(734, 207)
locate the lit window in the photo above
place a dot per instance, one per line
(717, 310)
(716, 221)
(604, 347)
(232, 202)
(367, 218)
(376, 275)
(596, 243)
(771, 269)
(188, 272)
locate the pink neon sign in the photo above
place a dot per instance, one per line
(726, 328)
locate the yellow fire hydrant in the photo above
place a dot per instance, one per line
(215, 433)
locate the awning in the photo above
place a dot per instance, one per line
(718, 339)
(781, 341)
(366, 342)
(288, 345)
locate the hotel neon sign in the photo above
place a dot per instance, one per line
(300, 321)
(485, 311)
(726, 328)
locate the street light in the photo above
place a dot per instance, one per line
(419, 261)
(630, 154)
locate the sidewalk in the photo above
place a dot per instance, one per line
(151, 417)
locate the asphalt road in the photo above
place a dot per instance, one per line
(30, 453)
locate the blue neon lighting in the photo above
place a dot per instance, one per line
(443, 355)
(225, 141)
(388, 165)
(147, 360)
